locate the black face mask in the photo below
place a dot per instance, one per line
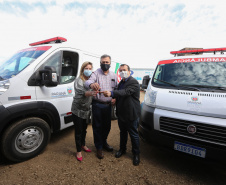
(105, 67)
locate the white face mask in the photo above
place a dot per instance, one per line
(124, 74)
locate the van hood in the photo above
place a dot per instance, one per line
(192, 102)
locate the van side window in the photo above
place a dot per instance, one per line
(69, 67)
(54, 61)
(66, 65)
(158, 73)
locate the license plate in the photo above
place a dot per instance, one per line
(189, 149)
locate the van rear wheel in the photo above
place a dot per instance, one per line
(25, 139)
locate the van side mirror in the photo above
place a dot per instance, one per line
(49, 76)
(145, 82)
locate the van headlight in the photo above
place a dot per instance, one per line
(150, 97)
(4, 85)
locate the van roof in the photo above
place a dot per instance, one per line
(198, 51)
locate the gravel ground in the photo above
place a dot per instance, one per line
(58, 165)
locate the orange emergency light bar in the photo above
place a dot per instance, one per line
(196, 51)
(48, 41)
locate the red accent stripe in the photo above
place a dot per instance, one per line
(25, 97)
(43, 48)
(48, 40)
(69, 113)
(211, 50)
(191, 60)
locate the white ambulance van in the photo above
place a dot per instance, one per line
(36, 93)
(185, 103)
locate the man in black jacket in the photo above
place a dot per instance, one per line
(128, 111)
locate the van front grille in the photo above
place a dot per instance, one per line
(204, 132)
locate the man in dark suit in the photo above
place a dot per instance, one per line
(128, 111)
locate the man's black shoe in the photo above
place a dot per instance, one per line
(136, 160)
(107, 147)
(100, 154)
(119, 153)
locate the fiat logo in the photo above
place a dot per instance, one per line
(191, 129)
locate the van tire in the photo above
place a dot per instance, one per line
(25, 139)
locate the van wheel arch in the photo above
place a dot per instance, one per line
(25, 139)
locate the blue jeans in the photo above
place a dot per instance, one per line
(101, 123)
(132, 129)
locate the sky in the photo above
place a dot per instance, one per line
(136, 32)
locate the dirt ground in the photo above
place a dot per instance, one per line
(58, 165)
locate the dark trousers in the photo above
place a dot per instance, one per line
(101, 123)
(132, 129)
(80, 126)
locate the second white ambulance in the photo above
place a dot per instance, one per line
(185, 103)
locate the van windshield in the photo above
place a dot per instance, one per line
(20, 61)
(194, 74)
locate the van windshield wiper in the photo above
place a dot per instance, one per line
(179, 86)
(207, 86)
(166, 82)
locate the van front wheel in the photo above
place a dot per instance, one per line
(25, 139)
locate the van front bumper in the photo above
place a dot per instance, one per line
(149, 134)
